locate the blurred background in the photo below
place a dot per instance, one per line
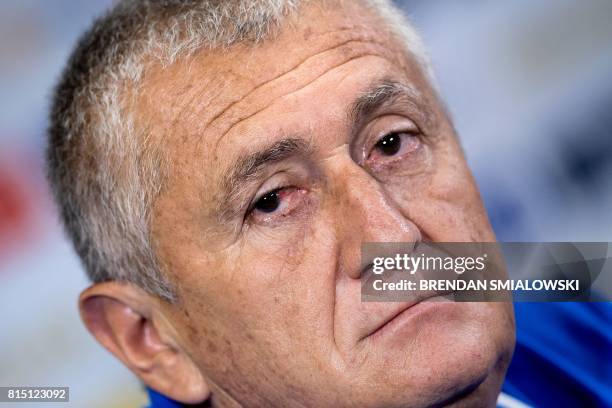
(528, 82)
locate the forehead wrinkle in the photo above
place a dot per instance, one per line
(249, 116)
(362, 37)
(224, 132)
(287, 72)
(219, 87)
(169, 97)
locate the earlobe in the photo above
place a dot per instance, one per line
(124, 319)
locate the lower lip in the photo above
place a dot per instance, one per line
(405, 318)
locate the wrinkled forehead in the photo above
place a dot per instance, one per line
(196, 105)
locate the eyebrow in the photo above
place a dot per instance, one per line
(382, 93)
(249, 166)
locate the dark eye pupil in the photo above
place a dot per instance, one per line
(268, 203)
(389, 144)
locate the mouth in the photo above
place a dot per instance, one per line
(409, 309)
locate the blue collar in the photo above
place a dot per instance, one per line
(160, 401)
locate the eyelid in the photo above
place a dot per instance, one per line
(390, 124)
(282, 178)
(296, 172)
(293, 203)
(262, 191)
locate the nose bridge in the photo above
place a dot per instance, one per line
(368, 211)
(364, 212)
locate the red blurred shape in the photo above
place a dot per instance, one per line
(21, 202)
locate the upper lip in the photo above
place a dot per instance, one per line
(402, 307)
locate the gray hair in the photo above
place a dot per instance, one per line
(105, 173)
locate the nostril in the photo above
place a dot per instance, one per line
(367, 270)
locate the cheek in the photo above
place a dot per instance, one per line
(290, 267)
(274, 281)
(267, 309)
(445, 203)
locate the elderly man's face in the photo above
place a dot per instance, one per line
(284, 157)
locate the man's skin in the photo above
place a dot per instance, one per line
(269, 311)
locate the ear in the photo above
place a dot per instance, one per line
(130, 324)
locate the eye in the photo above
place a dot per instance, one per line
(269, 202)
(393, 147)
(277, 204)
(389, 144)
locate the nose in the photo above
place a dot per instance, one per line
(366, 213)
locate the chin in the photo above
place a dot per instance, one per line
(446, 355)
